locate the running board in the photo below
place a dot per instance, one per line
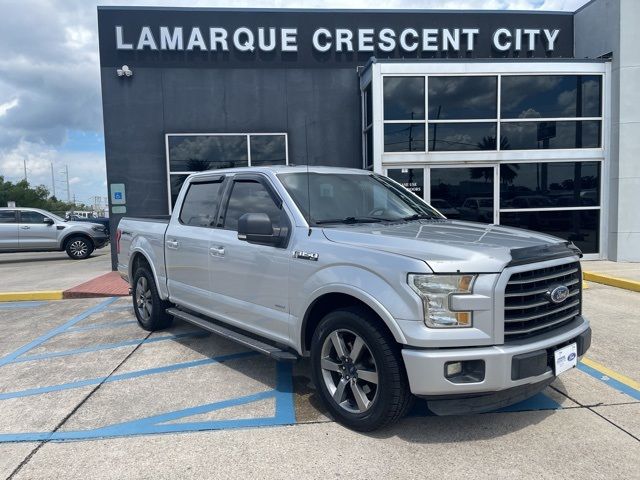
(250, 342)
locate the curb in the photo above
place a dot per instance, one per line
(612, 281)
(25, 296)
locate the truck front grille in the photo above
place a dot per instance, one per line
(528, 309)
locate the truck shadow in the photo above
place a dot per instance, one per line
(420, 425)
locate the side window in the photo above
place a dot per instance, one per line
(31, 217)
(200, 205)
(7, 216)
(250, 197)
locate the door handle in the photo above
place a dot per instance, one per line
(173, 244)
(25, 227)
(216, 251)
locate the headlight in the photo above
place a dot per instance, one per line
(435, 291)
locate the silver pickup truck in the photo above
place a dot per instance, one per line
(35, 230)
(388, 298)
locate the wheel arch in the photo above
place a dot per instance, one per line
(341, 297)
(138, 258)
(69, 236)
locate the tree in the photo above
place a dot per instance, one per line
(35, 197)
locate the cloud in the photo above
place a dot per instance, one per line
(50, 81)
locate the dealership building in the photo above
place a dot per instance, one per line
(527, 118)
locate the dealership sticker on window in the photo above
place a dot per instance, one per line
(566, 358)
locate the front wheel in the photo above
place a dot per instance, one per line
(149, 308)
(79, 248)
(358, 370)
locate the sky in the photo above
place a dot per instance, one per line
(50, 101)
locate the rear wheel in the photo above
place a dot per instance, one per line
(79, 248)
(358, 370)
(149, 308)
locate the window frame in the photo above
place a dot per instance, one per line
(221, 180)
(248, 136)
(15, 218)
(20, 212)
(264, 181)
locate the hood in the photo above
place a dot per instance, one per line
(450, 245)
(77, 223)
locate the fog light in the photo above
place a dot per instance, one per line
(453, 369)
(465, 371)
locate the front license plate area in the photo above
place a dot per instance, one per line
(565, 358)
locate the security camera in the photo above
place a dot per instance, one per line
(124, 71)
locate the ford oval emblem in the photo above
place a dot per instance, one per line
(558, 294)
(571, 356)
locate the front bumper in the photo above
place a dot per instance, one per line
(100, 242)
(507, 366)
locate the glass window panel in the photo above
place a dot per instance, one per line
(207, 152)
(455, 98)
(549, 185)
(250, 197)
(176, 182)
(463, 193)
(410, 178)
(462, 136)
(551, 96)
(544, 135)
(7, 216)
(579, 226)
(404, 137)
(268, 150)
(201, 204)
(403, 98)
(368, 119)
(368, 137)
(31, 217)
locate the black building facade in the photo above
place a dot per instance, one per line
(418, 95)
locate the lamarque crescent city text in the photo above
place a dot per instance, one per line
(269, 39)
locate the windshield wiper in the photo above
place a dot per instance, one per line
(417, 216)
(350, 220)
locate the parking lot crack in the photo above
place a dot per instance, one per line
(62, 422)
(591, 409)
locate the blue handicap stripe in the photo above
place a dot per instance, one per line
(612, 382)
(125, 376)
(109, 346)
(17, 305)
(52, 333)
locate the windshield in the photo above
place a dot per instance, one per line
(353, 198)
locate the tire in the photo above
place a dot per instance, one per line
(149, 308)
(79, 247)
(342, 383)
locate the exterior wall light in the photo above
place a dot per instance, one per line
(124, 71)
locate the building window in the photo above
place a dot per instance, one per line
(536, 112)
(463, 98)
(404, 137)
(558, 198)
(367, 128)
(190, 153)
(403, 98)
(466, 136)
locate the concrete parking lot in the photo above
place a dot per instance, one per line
(84, 392)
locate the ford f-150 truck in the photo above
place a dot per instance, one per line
(35, 230)
(388, 298)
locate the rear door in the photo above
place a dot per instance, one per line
(249, 282)
(187, 244)
(34, 234)
(8, 230)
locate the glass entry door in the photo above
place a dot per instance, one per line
(458, 192)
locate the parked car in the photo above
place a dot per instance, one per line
(32, 229)
(387, 297)
(477, 209)
(445, 208)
